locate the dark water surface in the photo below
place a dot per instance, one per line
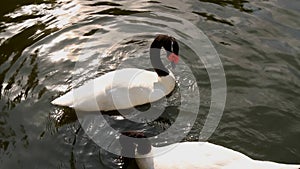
(40, 42)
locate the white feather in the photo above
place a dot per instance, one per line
(202, 155)
(119, 89)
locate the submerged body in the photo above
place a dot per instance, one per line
(120, 89)
(202, 155)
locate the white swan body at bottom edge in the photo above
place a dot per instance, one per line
(202, 155)
(119, 89)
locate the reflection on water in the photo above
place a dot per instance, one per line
(40, 42)
(240, 5)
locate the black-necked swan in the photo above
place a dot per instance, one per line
(194, 155)
(128, 87)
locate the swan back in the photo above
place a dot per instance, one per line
(203, 155)
(120, 89)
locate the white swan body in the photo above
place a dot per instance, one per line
(119, 89)
(202, 155)
(126, 88)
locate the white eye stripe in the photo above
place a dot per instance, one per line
(172, 46)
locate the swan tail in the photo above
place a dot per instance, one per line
(65, 100)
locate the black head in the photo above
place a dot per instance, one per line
(169, 43)
(172, 48)
(131, 141)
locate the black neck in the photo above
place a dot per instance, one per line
(156, 62)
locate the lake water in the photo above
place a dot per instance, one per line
(41, 42)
